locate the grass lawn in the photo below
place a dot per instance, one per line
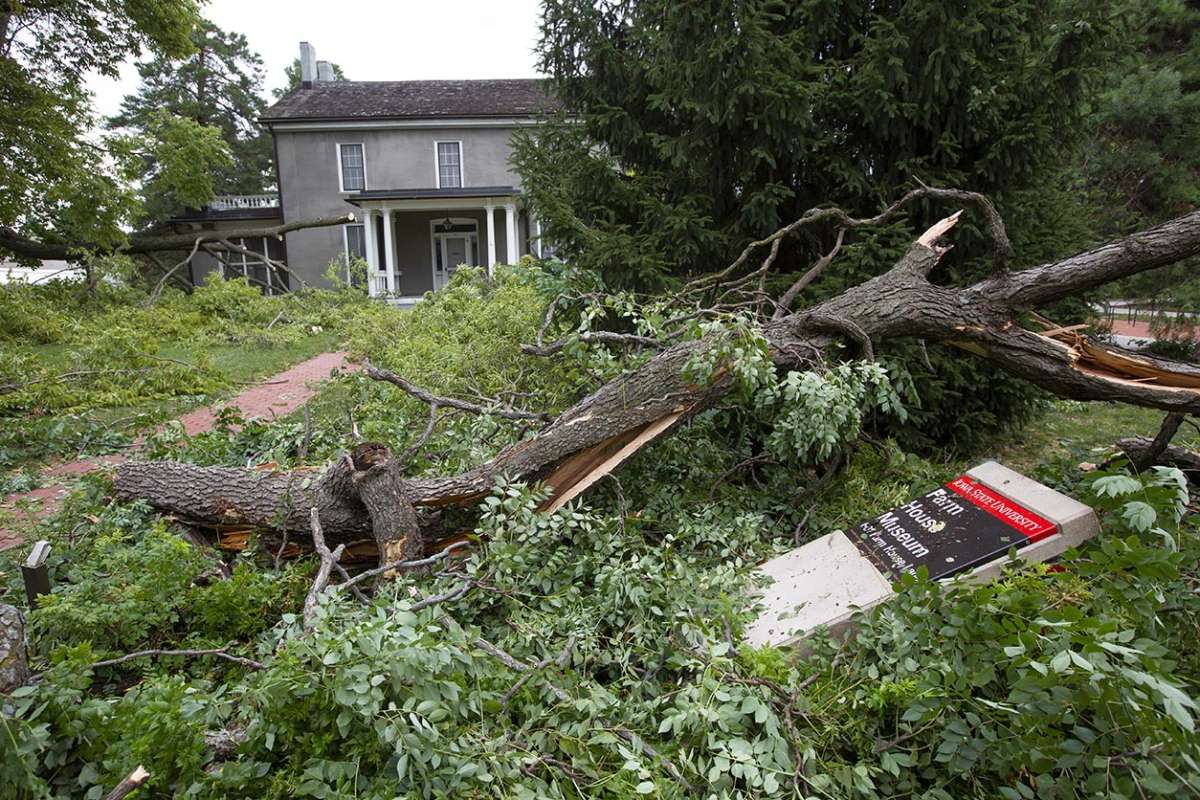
(24, 441)
(1075, 431)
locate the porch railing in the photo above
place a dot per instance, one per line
(229, 202)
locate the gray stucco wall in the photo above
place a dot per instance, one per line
(395, 159)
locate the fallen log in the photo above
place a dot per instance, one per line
(594, 436)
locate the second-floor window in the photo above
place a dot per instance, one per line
(449, 163)
(352, 167)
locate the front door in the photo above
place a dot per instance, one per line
(450, 250)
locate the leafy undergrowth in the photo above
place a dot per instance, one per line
(1057, 681)
(82, 374)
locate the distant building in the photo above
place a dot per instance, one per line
(423, 165)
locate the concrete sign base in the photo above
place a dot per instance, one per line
(964, 530)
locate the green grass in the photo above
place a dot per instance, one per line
(1078, 431)
(30, 440)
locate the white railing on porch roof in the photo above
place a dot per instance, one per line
(229, 202)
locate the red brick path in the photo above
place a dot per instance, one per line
(275, 396)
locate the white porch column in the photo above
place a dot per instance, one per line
(491, 238)
(372, 251)
(389, 250)
(510, 231)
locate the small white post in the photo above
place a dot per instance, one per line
(372, 252)
(389, 250)
(510, 231)
(491, 238)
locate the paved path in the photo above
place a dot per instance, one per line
(275, 396)
(1138, 330)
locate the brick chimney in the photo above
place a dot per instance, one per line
(325, 71)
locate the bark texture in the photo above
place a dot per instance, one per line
(596, 434)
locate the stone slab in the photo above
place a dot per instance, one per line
(981, 517)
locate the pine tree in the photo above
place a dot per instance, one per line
(1143, 158)
(218, 85)
(689, 130)
(719, 121)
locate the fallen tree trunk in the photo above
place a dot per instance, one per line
(595, 435)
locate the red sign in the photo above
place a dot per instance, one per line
(1029, 524)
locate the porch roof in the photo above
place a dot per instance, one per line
(431, 194)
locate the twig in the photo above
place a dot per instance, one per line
(328, 559)
(132, 781)
(560, 660)
(507, 412)
(444, 597)
(629, 736)
(785, 301)
(593, 337)
(401, 565)
(158, 288)
(420, 441)
(219, 652)
(306, 440)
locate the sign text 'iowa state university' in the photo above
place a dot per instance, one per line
(953, 528)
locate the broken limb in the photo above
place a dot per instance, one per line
(507, 412)
(593, 437)
(131, 782)
(141, 243)
(328, 559)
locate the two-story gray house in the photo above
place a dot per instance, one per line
(423, 166)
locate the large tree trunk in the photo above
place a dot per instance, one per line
(592, 437)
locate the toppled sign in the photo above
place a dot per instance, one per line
(965, 528)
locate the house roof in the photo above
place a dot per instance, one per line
(354, 100)
(426, 194)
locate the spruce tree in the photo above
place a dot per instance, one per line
(689, 130)
(697, 127)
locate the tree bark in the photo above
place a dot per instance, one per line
(595, 435)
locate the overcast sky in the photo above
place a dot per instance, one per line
(374, 40)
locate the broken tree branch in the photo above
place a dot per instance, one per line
(507, 412)
(131, 782)
(219, 652)
(593, 437)
(140, 243)
(328, 559)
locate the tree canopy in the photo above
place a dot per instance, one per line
(218, 84)
(55, 175)
(698, 127)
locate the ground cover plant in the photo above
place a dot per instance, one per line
(595, 651)
(84, 372)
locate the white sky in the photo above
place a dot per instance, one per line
(376, 40)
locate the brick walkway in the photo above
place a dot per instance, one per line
(275, 396)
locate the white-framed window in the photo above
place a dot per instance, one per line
(352, 167)
(449, 164)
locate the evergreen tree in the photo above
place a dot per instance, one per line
(217, 85)
(1143, 158)
(698, 127)
(291, 74)
(689, 130)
